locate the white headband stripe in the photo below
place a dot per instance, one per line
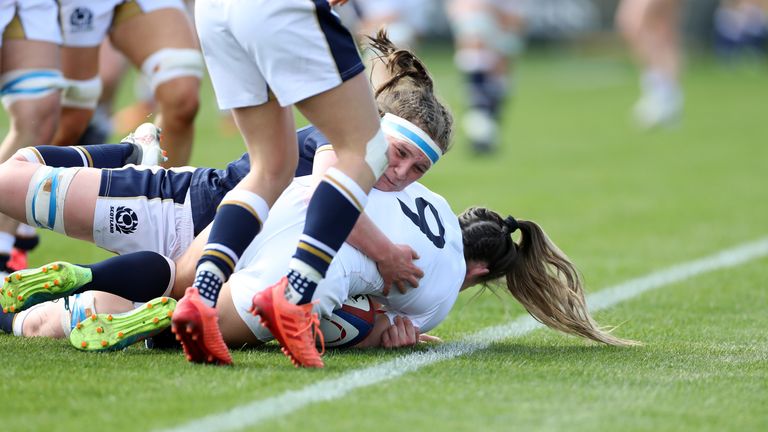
(413, 134)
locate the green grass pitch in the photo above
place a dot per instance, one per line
(621, 203)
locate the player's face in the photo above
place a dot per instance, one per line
(406, 165)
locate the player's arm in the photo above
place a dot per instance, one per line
(395, 262)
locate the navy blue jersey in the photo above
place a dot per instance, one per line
(209, 185)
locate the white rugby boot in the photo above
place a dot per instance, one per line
(146, 139)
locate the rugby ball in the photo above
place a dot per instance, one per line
(349, 324)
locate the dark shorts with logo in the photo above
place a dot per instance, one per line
(144, 209)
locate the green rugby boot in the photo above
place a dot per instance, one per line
(25, 288)
(108, 332)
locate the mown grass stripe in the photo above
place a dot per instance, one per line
(334, 388)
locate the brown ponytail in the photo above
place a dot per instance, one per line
(407, 91)
(537, 273)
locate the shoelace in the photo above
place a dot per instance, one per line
(314, 326)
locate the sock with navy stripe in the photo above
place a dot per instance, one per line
(238, 219)
(487, 92)
(331, 215)
(96, 156)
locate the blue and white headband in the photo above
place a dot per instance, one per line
(405, 130)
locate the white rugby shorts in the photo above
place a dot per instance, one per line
(31, 20)
(144, 209)
(85, 23)
(291, 49)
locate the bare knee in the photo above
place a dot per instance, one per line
(179, 101)
(34, 121)
(44, 321)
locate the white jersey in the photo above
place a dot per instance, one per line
(415, 216)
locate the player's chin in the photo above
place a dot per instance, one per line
(385, 185)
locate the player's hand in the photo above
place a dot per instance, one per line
(398, 269)
(336, 2)
(400, 334)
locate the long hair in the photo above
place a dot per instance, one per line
(407, 91)
(537, 273)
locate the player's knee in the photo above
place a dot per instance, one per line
(29, 84)
(276, 170)
(179, 101)
(35, 120)
(46, 193)
(82, 93)
(32, 327)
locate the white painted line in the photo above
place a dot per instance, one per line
(328, 389)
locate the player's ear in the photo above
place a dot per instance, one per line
(475, 271)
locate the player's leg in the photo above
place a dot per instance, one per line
(135, 209)
(117, 275)
(70, 200)
(93, 321)
(340, 197)
(25, 198)
(168, 56)
(80, 66)
(487, 37)
(55, 319)
(342, 107)
(43, 320)
(234, 330)
(31, 83)
(113, 68)
(141, 147)
(101, 156)
(31, 77)
(652, 30)
(267, 129)
(186, 264)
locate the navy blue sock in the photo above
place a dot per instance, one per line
(238, 220)
(332, 213)
(486, 92)
(139, 276)
(26, 243)
(6, 322)
(96, 156)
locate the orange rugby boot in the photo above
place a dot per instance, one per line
(294, 326)
(196, 326)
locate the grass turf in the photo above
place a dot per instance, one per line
(620, 202)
